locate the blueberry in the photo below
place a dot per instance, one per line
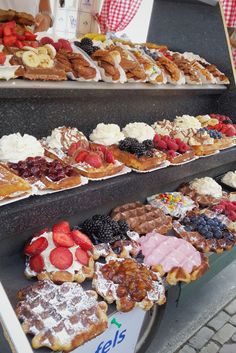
(209, 235)
(218, 234)
(189, 228)
(186, 220)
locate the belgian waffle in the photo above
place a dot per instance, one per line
(174, 257)
(60, 317)
(11, 185)
(140, 163)
(170, 68)
(204, 150)
(108, 61)
(129, 284)
(143, 218)
(185, 66)
(181, 157)
(202, 200)
(77, 272)
(200, 242)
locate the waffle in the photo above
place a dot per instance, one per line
(11, 185)
(143, 218)
(200, 242)
(204, 150)
(170, 68)
(77, 272)
(185, 66)
(225, 142)
(60, 317)
(218, 75)
(129, 284)
(181, 157)
(108, 61)
(202, 200)
(174, 258)
(44, 74)
(140, 163)
(174, 204)
(153, 72)
(20, 17)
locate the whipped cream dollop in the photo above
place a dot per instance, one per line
(230, 179)
(206, 186)
(187, 122)
(62, 137)
(163, 127)
(107, 134)
(194, 57)
(139, 131)
(15, 147)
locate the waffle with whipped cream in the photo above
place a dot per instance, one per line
(60, 317)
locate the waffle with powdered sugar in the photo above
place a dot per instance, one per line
(60, 317)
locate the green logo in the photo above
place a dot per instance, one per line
(114, 322)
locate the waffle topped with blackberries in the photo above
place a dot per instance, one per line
(143, 218)
(138, 155)
(206, 230)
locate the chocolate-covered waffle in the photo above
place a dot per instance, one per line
(173, 257)
(60, 255)
(206, 230)
(71, 146)
(143, 218)
(60, 317)
(205, 191)
(129, 284)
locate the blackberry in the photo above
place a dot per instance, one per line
(138, 149)
(148, 144)
(124, 145)
(115, 227)
(123, 225)
(86, 42)
(95, 48)
(149, 153)
(77, 44)
(87, 226)
(88, 49)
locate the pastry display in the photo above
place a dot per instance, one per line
(70, 146)
(207, 231)
(174, 204)
(12, 186)
(205, 191)
(230, 179)
(174, 257)
(60, 317)
(177, 151)
(107, 134)
(60, 255)
(143, 218)
(129, 284)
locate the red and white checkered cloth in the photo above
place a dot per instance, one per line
(229, 7)
(117, 14)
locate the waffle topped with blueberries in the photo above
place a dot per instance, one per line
(207, 231)
(138, 155)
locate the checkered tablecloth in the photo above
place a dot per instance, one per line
(117, 14)
(229, 7)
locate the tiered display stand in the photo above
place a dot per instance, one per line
(36, 108)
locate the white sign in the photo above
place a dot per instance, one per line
(121, 336)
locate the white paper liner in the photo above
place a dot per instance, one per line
(7, 71)
(39, 192)
(162, 166)
(125, 170)
(15, 199)
(225, 148)
(209, 155)
(91, 63)
(182, 163)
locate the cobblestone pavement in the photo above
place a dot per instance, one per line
(217, 336)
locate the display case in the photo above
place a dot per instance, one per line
(37, 108)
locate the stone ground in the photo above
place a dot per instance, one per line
(217, 336)
(204, 320)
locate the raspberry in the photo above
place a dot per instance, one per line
(162, 145)
(172, 145)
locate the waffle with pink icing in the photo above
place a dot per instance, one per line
(129, 284)
(60, 255)
(174, 257)
(60, 317)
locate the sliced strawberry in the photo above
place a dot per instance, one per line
(109, 158)
(36, 247)
(44, 230)
(36, 263)
(62, 226)
(94, 160)
(7, 31)
(19, 44)
(2, 58)
(9, 24)
(72, 149)
(61, 258)
(46, 40)
(65, 45)
(9, 41)
(231, 207)
(57, 46)
(20, 37)
(62, 239)
(30, 36)
(230, 131)
(82, 144)
(82, 256)
(232, 215)
(82, 240)
(101, 148)
(80, 157)
(34, 44)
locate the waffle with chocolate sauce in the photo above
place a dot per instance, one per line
(143, 218)
(60, 317)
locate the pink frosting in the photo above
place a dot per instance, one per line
(169, 252)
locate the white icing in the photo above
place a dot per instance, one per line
(140, 131)
(230, 179)
(187, 122)
(206, 186)
(15, 147)
(163, 127)
(107, 134)
(62, 137)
